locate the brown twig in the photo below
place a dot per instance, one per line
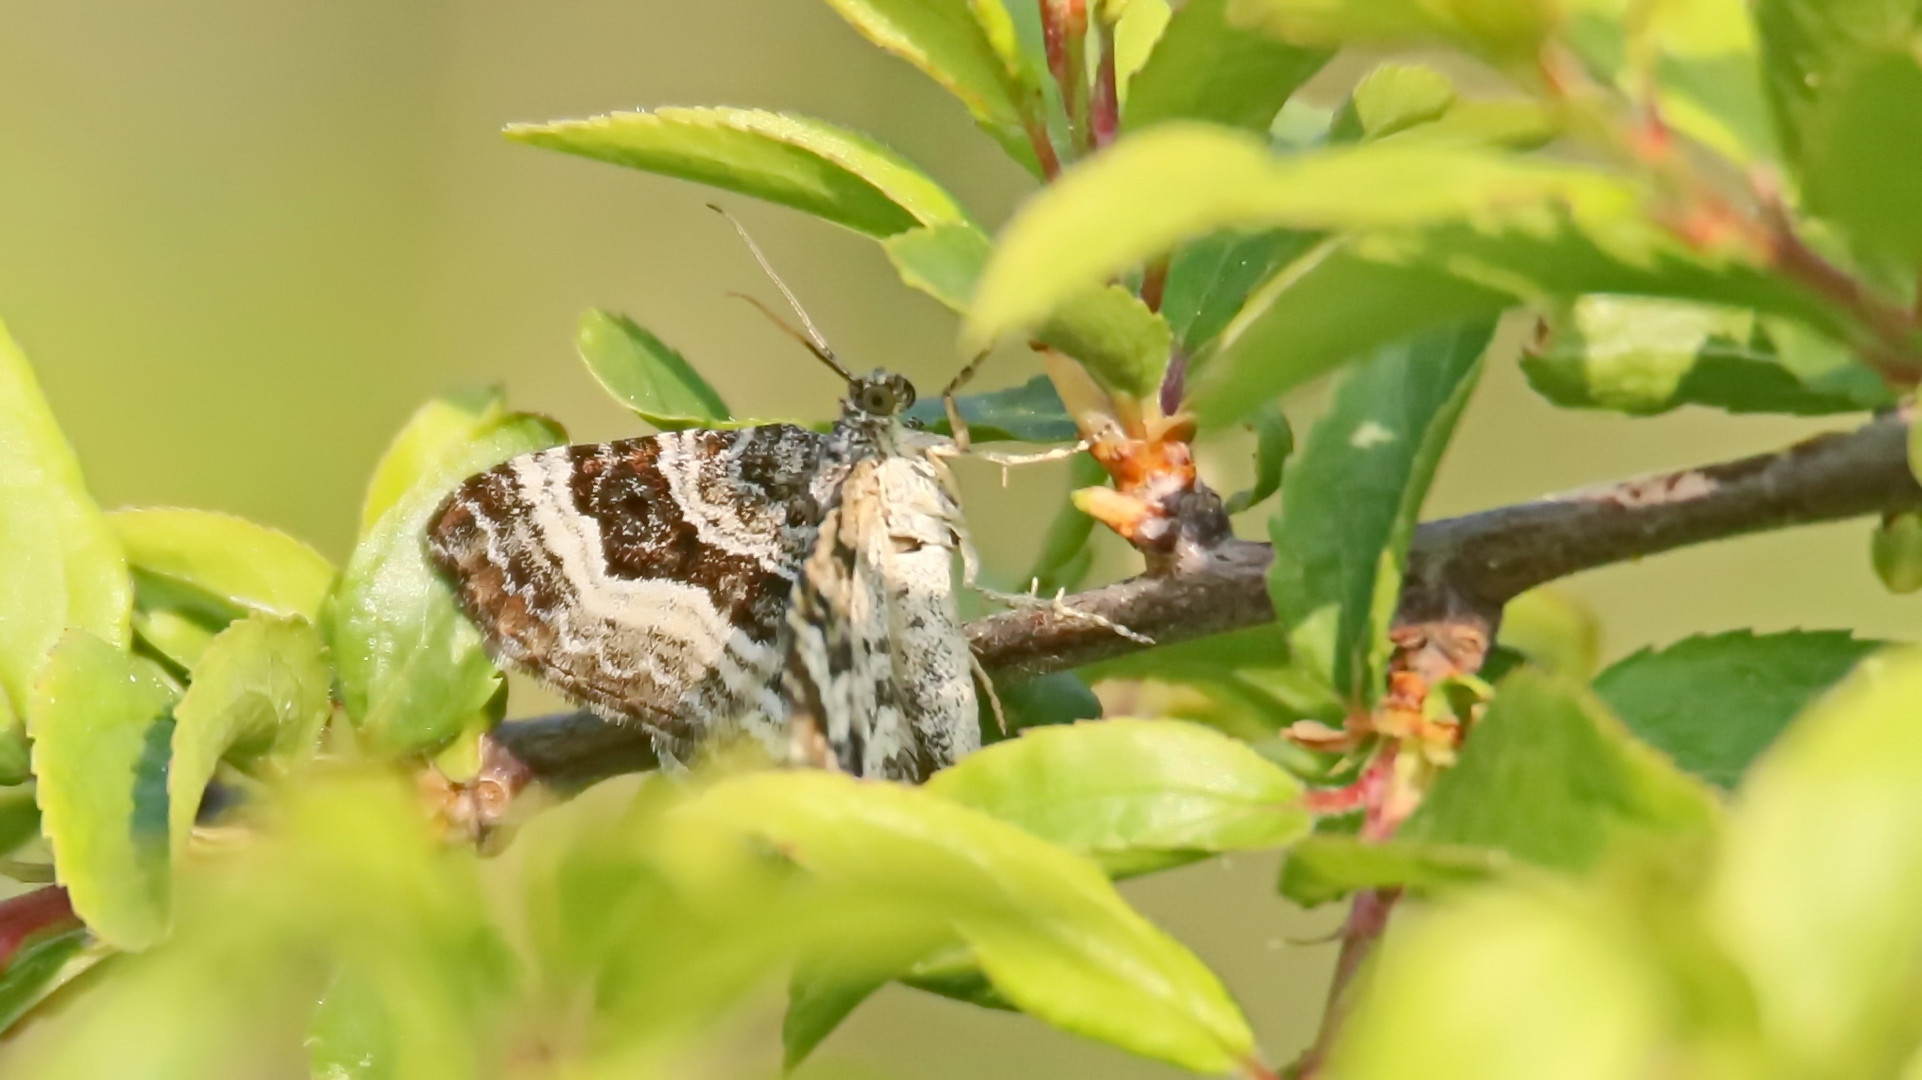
(1460, 573)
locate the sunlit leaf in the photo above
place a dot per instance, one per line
(1864, 149)
(1207, 68)
(1895, 549)
(101, 725)
(831, 172)
(1714, 703)
(1045, 925)
(641, 372)
(1391, 99)
(1350, 505)
(428, 437)
(1555, 630)
(1320, 869)
(1511, 985)
(411, 668)
(60, 563)
(1132, 793)
(261, 688)
(1815, 894)
(232, 560)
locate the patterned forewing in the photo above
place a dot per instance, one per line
(932, 664)
(647, 578)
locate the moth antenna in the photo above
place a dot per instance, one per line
(812, 339)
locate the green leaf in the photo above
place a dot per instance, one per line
(1031, 412)
(1274, 441)
(1812, 46)
(1319, 869)
(1550, 778)
(1134, 794)
(833, 173)
(41, 968)
(428, 437)
(1715, 703)
(411, 669)
(1555, 630)
(1896, 550)
(1864, 151)
(1210, 278)
(59, 562)
(1060, 698)
(101, 724)
(1320, 312)
(826, 988)
(641, 372)
(1514, 985)
(240, 565)
(1391, 99)
(1644, 356)
(1207, 68)
(1045, 925)
(971, 49)
(261, 688)
(1107, 329)
(19, 817)
(1815, 894)
(1506, 32)
(1353, 494)
(1246, 675)
(352, 1036)
(1065, 552)
(1178, 181)
(14, 749)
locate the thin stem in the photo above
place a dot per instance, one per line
(1367, 921)
(1154, 283)
(1105, 111)
(1064, 28)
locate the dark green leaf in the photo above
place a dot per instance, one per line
(41, 967)
(1135, 794)
(641, 372)
(1044, 924)
(1644, 356)
(972, 49)
(1814, 897)
(101, 724)
(59, 563)
(14, 748)
(1864, 152)
(19, 817)
(261, 688)
(1319, 869)
(1714, 703)
(411, 669)
(1031, 412)
(1060, 698)
(1812, 46)
(1274, 441)
(1353, 494)
(1550, 778)
(1210, 278)
(1206, 68)
(830, 172)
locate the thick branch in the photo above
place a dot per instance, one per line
(1478, 560)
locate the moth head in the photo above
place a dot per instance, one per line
(879, 393)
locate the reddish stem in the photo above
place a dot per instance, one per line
(1367, 920)
(1154, 283)
(1064, 28)
(32, 913)
(1043, 147)
(1105, 110)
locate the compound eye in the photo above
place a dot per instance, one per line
(903, 392)
(877, 399)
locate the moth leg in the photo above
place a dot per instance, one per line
(971, 578)
(994, 698)
(956, 425)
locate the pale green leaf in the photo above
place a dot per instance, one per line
(641, 372)
(1351, 502)
(428, 437)
(1132, 792)
(230, 559)
(1207, 68)
(1391, 99)
(60, 566)
(1555, 630)
(101, 725)
(261, 688)
(1715, 703)
(833, 173)
(1044, 924)
(411, 669)
(1895, 549)
(1319, 869)
(1815, 895)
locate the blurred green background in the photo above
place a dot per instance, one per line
(241, 241)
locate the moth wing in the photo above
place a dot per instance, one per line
(932, 662)
(646, 579)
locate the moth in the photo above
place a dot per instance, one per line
(773, 581)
